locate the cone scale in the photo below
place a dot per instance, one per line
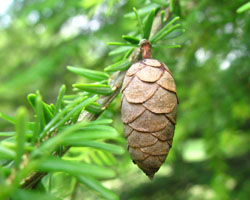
(148, 108)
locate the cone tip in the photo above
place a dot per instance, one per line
(151, 176)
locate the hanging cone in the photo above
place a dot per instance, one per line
(149, 106)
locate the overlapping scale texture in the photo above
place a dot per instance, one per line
(149, 107)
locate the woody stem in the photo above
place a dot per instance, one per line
(146, 49)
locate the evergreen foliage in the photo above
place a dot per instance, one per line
(74, 148)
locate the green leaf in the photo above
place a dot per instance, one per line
(76, 116)
(59, 99)
(32, 100)
(13, 145)
(119, 66)
(50, 145)
(91, 133)
(163, 12)
(94, 88)
(148, 24)
(94, 108)
(7, 134)
(90, 74)
(63, 113)
(106, 158)
(40, 121)
(131, 39)
(95, 185)
(121, 44)
(95, 159)
(143, 11)
(4, 172)
(166, 32)
(31, 195)
(7, 153)
(128, 53)
(98, 145)
(171, 6)
(70, 97)
(244, 8)
(167, 46)
(75, 110)
(48, 114)
(139, 22)
(43, 113)
(21, 125)
(1, 177)
(74, 97)
(12, 134)
(94, 129)
(53, 164)
(52, 108)
(119, 50)
(105, 82)
(42, 110)
(164, 29)
(176, 33)
(8, 118)
(160, 2)
(100, 122)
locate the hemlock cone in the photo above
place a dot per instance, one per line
(149, 106)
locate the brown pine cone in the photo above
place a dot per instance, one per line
(149, 106)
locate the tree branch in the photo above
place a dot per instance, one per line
(115, 82)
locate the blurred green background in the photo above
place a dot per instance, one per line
(210, 158)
